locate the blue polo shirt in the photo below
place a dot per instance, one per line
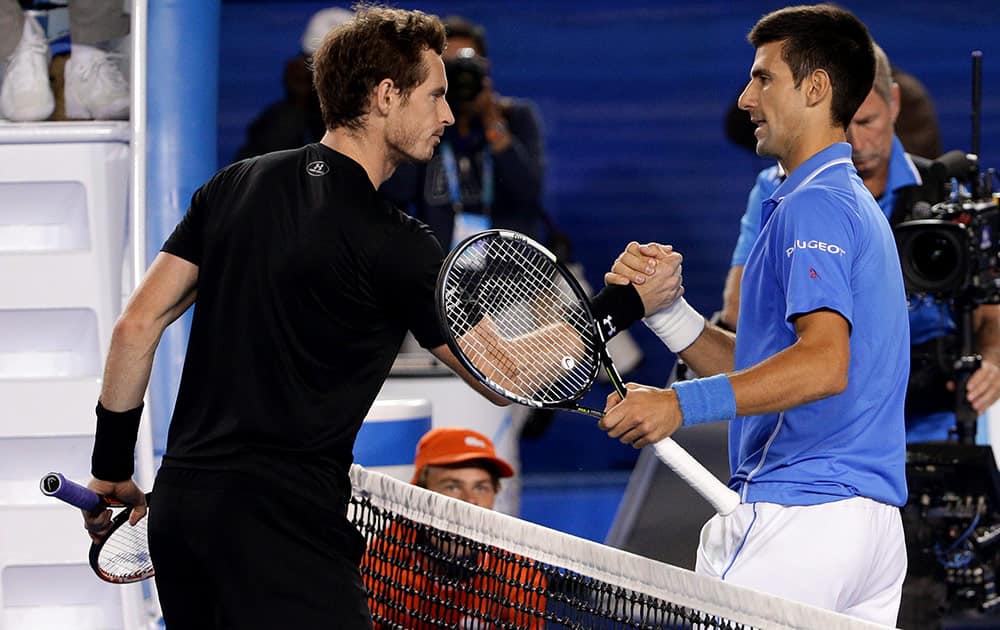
(767, 182)
(928, 319)
(825, 244)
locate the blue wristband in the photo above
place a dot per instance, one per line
(706, 399)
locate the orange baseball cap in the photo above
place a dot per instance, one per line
(453, 445)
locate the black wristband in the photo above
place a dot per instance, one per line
(616, 308)
(114, 443)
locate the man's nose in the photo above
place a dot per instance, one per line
(449, 118)
(746, 100)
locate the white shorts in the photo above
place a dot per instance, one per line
(848, 556)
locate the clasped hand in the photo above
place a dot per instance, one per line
(654, 270)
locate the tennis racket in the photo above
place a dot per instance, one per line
(521, 324)
(122, 556)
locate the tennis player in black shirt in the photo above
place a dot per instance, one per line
(305, 282)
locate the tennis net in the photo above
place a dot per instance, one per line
(436, 562)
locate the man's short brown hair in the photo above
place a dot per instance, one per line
(378, 43)
(823, 36)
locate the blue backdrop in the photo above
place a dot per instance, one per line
(632, 95)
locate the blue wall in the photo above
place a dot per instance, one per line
(632, 95)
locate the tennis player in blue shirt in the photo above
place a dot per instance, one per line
(813, 381)
(892, 176)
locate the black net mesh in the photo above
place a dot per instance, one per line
(420, 577)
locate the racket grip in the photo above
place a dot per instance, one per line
(697, 476)
(56, 485)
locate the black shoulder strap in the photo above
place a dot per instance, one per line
(908, 196)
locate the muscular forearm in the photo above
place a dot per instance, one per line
(712, 352)
(444, 354)
(129, 364)
(791, 378)
(167, 290)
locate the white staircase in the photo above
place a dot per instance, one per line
(64, 192)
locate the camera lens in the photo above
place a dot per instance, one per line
(934, 256)
(465, 77)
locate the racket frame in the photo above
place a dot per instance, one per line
(600, 356)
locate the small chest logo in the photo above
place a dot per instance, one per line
(813, 274)
(317, 168)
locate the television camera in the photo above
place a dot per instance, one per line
(949, 251)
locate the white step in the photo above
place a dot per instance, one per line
(37, 408)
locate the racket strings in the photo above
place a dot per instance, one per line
(124, 556)
(537, 343)
(542, 350)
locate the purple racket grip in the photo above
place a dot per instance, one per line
(56, 485)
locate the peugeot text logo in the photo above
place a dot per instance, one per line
(317, 168)
(829, 248)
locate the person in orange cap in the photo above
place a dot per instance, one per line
(419, 580)
(461, 464)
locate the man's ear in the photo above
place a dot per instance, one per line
(894, 102)
(386, 96)
(817, 87)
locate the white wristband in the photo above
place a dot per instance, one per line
(677, 326)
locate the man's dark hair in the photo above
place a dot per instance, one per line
(378, 43)
(827, 37)
(456, 26)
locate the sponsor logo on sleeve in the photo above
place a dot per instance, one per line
(829, 248)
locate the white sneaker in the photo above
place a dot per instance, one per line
(25, 94)
(95, 87)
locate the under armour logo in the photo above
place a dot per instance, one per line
(812, 273)
(609, 326)
(317, 168)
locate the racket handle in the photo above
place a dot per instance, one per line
(697, 476)
(56, 485)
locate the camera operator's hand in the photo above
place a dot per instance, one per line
(983, 388)
(489, 108)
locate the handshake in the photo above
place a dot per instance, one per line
(655, 272)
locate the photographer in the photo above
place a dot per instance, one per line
(896, 179)
(488, 170)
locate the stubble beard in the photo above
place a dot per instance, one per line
(763, 150)
(403, 144)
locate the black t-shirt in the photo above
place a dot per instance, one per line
(307, 282)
